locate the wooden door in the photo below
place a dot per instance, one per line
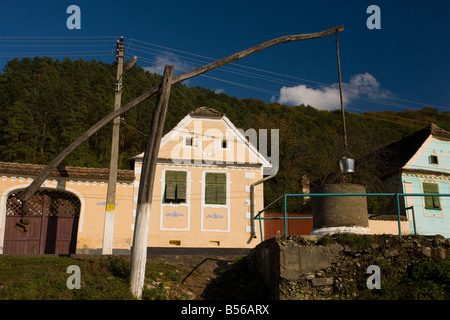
(46, 223)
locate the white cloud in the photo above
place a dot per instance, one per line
(219, 90)
(366, 84)
(327, 97)
(170, 59)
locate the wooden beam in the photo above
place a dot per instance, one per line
(34, 186)
(139, 248)
(259, 47)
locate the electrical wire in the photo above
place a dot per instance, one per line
(271, 92)
(39, 46)
(151, 60)
(12, 54)
(381, 100)
(183, 57)
(403, 121)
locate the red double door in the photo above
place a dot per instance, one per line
(45, 224)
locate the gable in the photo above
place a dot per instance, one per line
(433, 155)
(210, 140)
(403, 153)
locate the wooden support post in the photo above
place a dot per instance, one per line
(139, 248)
(108, 229)
(34, 186)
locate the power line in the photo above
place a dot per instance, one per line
(381, 100)
(277, 93)
(57, 38)
(190, 61)
(34, 46)
(51, 53)
(132, 44)
(401, 121)
(193, 62)
(53, 45)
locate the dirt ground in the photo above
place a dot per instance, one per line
(199, 274)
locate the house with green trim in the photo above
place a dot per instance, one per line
(417, 165)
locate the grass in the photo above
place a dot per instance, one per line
(107, 278)
(45, 277)
(102, 278)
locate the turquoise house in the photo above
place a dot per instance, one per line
(418, 164)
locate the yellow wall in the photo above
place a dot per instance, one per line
(92, 195)
(387, 227)
(194, 224)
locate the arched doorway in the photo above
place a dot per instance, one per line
(45, 224)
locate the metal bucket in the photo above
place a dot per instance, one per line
(347, 165)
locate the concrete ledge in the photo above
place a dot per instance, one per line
(174, 251)
(333, 230)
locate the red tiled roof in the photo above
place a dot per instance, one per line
(27, 169)
(205, 112)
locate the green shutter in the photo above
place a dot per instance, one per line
(215, 188)
(181, 176)
(436, 203)
(181, 191)
(175, 186)
(210, 178)
(170, 190)
(221, 178)
(431, 202)
(209, 194)
(221, 194)
(171, 176)
(181, 185)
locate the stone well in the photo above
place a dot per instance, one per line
(339, 214)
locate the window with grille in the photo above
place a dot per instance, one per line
(215, 188)
(431, 202)
(175, 188)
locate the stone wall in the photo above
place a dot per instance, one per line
(336, 266)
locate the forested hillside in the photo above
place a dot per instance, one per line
(46, 104)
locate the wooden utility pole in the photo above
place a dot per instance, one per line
(344, 129)
(34, 186)
(108, 229)
(139, 248)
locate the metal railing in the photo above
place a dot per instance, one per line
(397, 210)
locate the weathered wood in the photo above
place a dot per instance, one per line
(139, 248)
(259, 47)
(34, 186)
(344, 129)
(108, 229)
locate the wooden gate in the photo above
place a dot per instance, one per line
(46, 223)
(275, 228)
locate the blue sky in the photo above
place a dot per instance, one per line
(403, 65)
